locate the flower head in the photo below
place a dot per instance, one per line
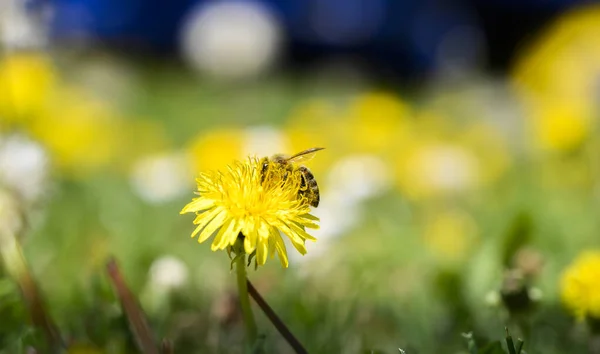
(260, 205)
(580, 289)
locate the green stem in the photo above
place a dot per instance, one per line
(251, 331)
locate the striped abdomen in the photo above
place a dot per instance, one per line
(309, 187)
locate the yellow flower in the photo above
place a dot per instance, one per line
(557, 79)
(561, 125)
(565, 60)
(204, 155)
(26, 80)
(376, 121)
(80, 131)
(450, 235)
(238, 200)
(580, 289)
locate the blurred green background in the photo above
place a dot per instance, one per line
(430, 191)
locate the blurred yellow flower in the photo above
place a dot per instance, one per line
(565, 60)
(376, 121)
(561, 125)
(557, 78)
(579, 285)
(214, 149)
(450, 235)
(26, 80)
(81, 133)
(240, 201)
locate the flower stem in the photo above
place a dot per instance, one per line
(277, 322)
(251, 331)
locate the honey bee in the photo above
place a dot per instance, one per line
(308, 185)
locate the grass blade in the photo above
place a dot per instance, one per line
(135, 316)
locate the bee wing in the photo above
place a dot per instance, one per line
(304, 156)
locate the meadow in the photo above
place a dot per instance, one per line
(454, 207)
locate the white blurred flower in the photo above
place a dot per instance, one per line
(360, 176)
(338, 213)
(264, 141)
(20, 28)
(168, 273)
(231, 39)
(161, 178)
(23, 167)
(452, 169)
(444, 168)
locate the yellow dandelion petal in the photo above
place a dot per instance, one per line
(298, 229)
(198, 204)
(262, 251)
(281, 250)
(310, 217)
(203, 219)
(212, 226)
(273, 233)
(300, 247)
(233, 235)
(221, 241)
(248, 231)
(263, 232)
(250, 241)
(310, 225)
(294, 237)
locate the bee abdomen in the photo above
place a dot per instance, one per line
(309, 187)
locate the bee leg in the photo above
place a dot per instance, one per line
(287, 173)
(263, 171)
(303, 179)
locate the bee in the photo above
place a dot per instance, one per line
(308, 185)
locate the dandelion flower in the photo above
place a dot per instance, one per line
(243, 200)
(580, 289)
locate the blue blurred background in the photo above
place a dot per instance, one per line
(394, 37)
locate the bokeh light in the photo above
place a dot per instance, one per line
(231, 39)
